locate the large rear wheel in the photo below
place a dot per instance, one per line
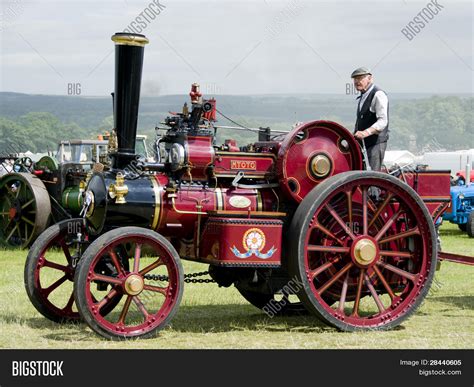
(367, 241)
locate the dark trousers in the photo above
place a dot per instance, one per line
(376, 153)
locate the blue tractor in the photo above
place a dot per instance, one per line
(462, 207)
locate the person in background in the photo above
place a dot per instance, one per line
(372, 117)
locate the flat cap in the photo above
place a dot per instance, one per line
(361, 71)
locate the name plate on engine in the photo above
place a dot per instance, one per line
(243, 164)
(239, 242)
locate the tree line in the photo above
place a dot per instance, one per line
(416, 123)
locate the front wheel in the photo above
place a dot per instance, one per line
(366, 240)
(49, 269)
(150, 283)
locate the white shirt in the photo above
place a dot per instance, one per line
(379, 106)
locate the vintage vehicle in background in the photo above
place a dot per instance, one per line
(36, 194)
(293, 222)
(461, 177)
(7, 163)
(453, 160)
(461, 209)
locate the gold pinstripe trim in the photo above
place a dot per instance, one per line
(158, 203)
(66, 199)
(259, 201)
(219, 199)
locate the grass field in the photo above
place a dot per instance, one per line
(212, 317)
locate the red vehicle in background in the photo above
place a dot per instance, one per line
(461, 175)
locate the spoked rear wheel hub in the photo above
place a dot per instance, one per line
(364, 251)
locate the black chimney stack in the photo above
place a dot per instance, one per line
(129, 50)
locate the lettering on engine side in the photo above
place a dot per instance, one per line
(243, 164)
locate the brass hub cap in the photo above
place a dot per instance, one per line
(321, 165)
(134, 284)
(365, 251)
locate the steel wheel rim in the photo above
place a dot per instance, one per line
(351, 274)
(22, 220)
(68, 271)
(170, 293)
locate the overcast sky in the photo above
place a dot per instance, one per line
(238, 47)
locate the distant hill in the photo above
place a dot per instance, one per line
(448, 118)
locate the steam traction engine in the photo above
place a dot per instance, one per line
(359, 247)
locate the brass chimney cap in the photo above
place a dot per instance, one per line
(129, 39)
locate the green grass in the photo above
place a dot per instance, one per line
(213, 317)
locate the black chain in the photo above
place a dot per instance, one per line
(188, 278)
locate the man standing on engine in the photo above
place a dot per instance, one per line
(372, 117)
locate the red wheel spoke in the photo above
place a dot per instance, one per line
(125, 309)
(106, 278)
(140, 306)
(157, 289)
(320, 269)
(70, 302)
(355, 310)
(55, 285)
(384, 282)
(387, 225)
(372, 290)
(149, 268)
(54, 265)
(66, 252)
(136, 258)
(329, 283)
(349, 205)
(412, 277)
(329, 249)
(340, 221)
(328, 233)
(403, 254)
(107, 299)
(342, 300)
(381, 208)
(364, 211)
(370, 203)
(116, 262)
(405, 234)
